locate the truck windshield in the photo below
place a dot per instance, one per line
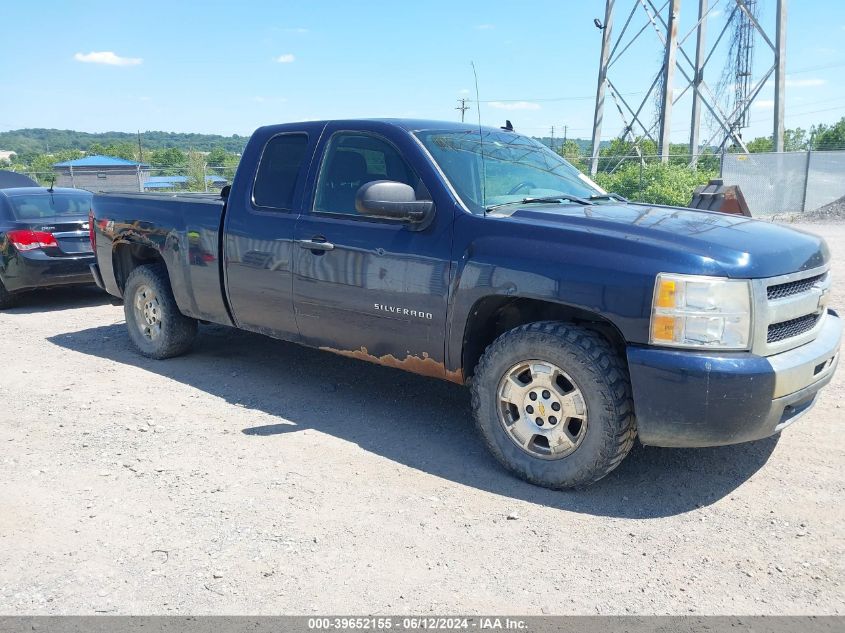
(35, 206)
(493, 168)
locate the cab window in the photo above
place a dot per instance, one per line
(278, 171)
(353, 159)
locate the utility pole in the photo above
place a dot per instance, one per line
(553, 138)
(780, 74)
(599, 113)
(463, 107)
(668, 77)
(140, 151)
(698, 77)
(564, 133)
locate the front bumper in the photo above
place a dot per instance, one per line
(25, 271)
(689, 398)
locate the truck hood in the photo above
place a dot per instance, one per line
(707, 242)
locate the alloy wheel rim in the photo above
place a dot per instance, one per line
(148, 312)
(542, 409)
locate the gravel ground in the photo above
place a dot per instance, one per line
(828, 213)
(255, 476)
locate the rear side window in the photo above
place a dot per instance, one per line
(278, 171)
(46, 205)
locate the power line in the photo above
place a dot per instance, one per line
(549, 99)
(813, 68)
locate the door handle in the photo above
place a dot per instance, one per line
(315, 245)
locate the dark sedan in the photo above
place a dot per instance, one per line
(44, 240)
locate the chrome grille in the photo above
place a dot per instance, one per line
(789, 310)
(790, 288)
(794, 327)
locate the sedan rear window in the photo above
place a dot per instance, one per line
(47, 205)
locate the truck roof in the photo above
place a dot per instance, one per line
(409, 125)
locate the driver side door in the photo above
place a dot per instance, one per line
(370, 288)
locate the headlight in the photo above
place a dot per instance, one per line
(693, 311)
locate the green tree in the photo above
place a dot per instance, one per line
(196, 171)
(126, 151)
(656, 183)
(571, 151)
(827, 137)
(794, 140)
(760, 144)
(217, 157)
(170, 157)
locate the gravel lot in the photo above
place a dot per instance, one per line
(255, 476)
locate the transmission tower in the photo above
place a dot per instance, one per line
(743, 42)
(664, 21)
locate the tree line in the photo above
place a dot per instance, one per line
(32, 141)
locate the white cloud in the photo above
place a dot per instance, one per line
(287, 58)
(485, 27)
(299, 30)
(715, 13)
(514, 105)
(463, 91)
(762, 104)
(108, 58)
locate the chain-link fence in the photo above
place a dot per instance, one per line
(788, 182)
(772, 183)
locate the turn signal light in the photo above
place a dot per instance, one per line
(32, 240)
(663, 328)
(667, 290)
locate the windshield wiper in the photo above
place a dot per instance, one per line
(545, 199)
(608, 196)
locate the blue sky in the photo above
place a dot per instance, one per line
(228, 67)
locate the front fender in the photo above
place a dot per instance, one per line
(611, 286)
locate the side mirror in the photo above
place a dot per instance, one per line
(394, 200)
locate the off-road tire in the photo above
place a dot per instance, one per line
(7, 299)
(599, 372)
(176, 333)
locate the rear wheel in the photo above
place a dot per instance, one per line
(553, 403)
(156, 326)
(7, 299)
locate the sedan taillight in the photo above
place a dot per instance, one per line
(91, 237)
(32, 240)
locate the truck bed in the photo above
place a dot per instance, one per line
(185, 229)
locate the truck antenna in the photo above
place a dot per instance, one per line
(481, 142)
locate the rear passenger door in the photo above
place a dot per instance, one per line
(371, 288)
(259, 235)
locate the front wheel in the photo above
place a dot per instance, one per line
(553, 404)
(156, 326)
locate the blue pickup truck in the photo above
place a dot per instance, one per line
(579, 320)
